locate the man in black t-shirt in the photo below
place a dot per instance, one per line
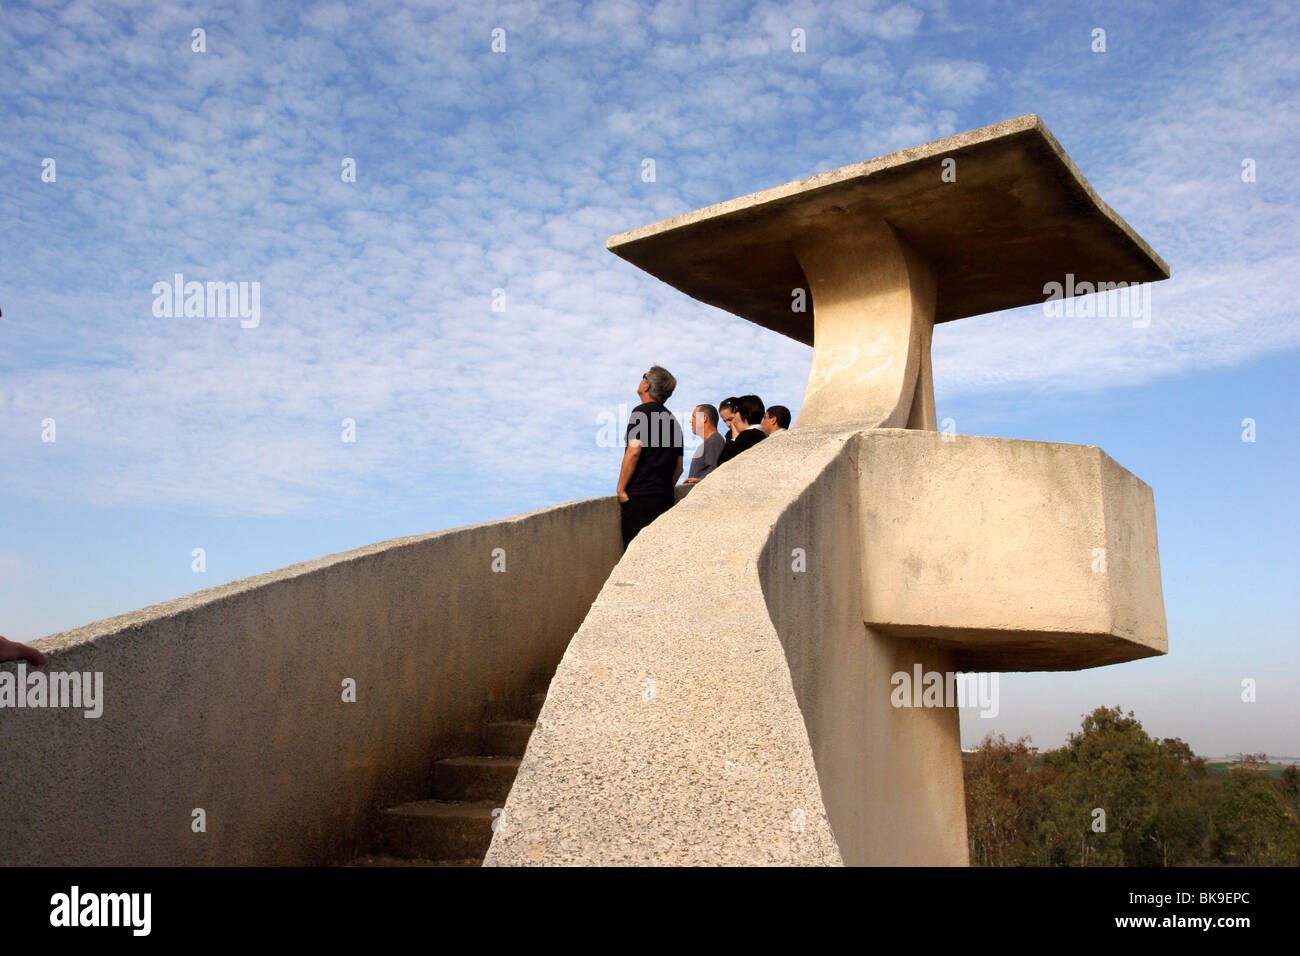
(652, 462)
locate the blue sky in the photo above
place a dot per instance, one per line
(478, 171)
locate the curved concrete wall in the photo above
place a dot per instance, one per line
(230, 700)
(717, 707)
(891, 778)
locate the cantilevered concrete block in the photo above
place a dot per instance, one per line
(1015, 555)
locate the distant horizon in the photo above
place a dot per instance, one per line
(1280, 761)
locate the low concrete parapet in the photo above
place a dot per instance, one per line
(230, 701)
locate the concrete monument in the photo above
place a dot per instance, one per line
(730, 693)
(728, 697)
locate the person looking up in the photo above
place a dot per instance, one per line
(652, 462)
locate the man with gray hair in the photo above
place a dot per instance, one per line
(652, 462)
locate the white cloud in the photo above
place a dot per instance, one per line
(478, 171)
(951, 82)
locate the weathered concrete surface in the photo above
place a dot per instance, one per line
(715, 690)
(230, 699)
(1019, 215)
(672, 732)
(874, 299)
(891, 779)
(1018, 555)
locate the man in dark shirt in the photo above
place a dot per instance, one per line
(652, 462)
(705, 424)
(749, 409)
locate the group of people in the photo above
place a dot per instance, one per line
(652, 460)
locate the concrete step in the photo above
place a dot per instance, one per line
(455, 828)
(437, 830)
(507, 738)
(474, 778)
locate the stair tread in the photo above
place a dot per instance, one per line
(407, 835)
(470, 809)
(481, 761)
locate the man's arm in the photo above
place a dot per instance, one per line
(678, 472)
(14, 651)
(629, 465)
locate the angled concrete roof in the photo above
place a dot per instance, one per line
(1019, 215)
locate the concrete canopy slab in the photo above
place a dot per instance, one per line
(1019, 215)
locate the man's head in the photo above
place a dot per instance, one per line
(750, 409)
(656, 385)
(776, 419)
(704, 420)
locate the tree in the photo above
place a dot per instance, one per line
(1182, 816)
(1251, 825)
(1107, 774)
(1291, 783)
(1001, 796)
(1113, 796)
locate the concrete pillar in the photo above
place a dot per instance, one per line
(873, 315)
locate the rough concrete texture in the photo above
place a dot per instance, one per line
(230, 699)
(1019, 215)
(719, 706)
(671, 733)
